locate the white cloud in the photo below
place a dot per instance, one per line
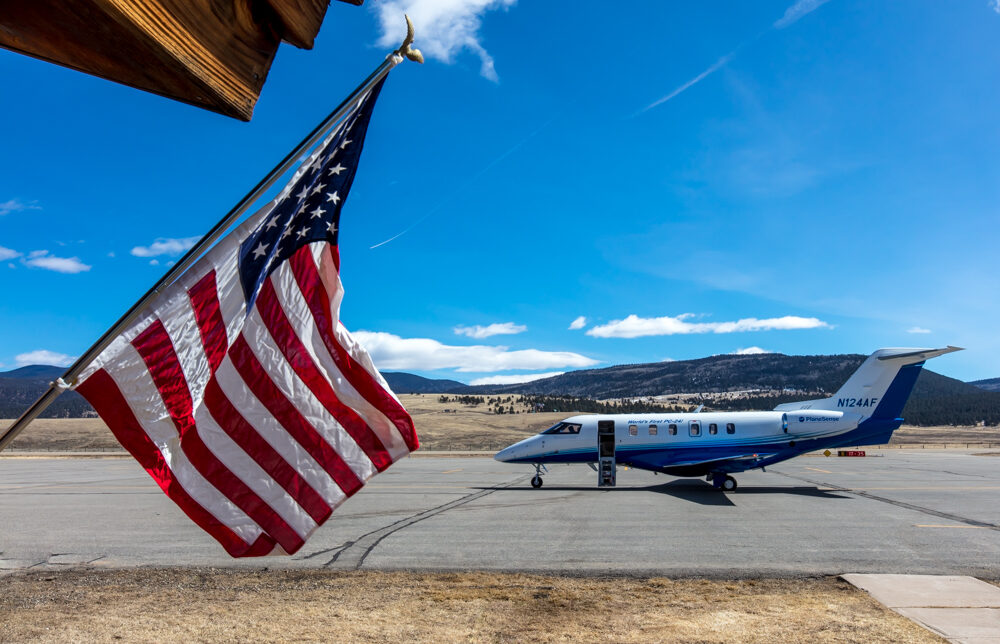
(43, 356)
(14, 205)
(443, 27)
(581, 321)
(500, 328)
(917, 329)
(636, 327)
(165, 246)
(393, 352)
(995, 4)
(43, 259)
(750, 351)
(154, 262)
(514, 380)
(8, 253)
(798, 10)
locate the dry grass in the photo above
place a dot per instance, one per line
(64, 434)
(461, 427)
(941, 435)
(229, 606)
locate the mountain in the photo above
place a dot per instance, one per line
(765, 380)
(21, 387)
(991, 384)
(936, 399)
(408, 383)
(34, 371)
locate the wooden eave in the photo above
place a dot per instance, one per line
(211, 53)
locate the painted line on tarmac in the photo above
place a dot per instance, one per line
(816, 469)
(960, 527)
(900, 504)
(351, 555)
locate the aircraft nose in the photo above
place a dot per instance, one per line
(505, 454)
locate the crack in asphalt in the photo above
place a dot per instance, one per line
(358, 550)
(901, 504)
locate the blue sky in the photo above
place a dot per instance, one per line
(689, 179)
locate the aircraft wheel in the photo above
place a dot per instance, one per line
(536, 482)
(729, 484)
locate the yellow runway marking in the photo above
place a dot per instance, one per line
(451, 471)
(936, 487)
(816, 469)
(963, 527)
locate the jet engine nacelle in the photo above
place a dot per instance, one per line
(809, 421)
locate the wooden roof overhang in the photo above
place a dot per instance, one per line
(211, 53)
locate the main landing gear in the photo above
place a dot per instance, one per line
(536, 481)
(722, 482)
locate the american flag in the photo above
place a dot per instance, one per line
(239, 390)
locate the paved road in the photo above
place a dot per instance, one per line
(903, 511)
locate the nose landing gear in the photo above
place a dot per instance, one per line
(536, 480)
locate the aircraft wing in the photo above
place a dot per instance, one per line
(742, 457)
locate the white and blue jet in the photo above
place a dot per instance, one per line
(864, 411)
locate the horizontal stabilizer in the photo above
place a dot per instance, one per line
(920, 354)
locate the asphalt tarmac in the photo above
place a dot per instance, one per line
(896, 511)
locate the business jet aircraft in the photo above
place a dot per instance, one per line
(864, 411)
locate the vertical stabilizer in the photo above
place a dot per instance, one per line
(880, 386)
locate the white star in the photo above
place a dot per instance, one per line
(271, 223)
(288, 231)
(318, 188)
(318, 212)
(332, 228)
(333, 196)
(337, 169)
(304, 193)
(302, 232)
(260, 250)
(344, 144)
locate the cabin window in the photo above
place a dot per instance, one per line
(672, 429)
(695, 429)
(730, 428)
(563, 428)
(713, 429)
(652, 430)
(633, 430)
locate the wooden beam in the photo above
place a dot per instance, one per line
(300, 20)
(211, 53)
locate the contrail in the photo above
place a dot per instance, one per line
(465, 185)
(792, 15)
(714, 66)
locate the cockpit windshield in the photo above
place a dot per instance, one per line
(563, 428)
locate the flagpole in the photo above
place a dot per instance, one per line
(67, 380)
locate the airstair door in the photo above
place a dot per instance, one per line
(606, 453)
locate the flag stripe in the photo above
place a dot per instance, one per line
(295, 424)
(156, 350)
(290, 298)
(308, 278)
(301, 397)
(270, 429)
(205, 303)
(271, 494)
(103, 393)
(291, 346)
(247, 437)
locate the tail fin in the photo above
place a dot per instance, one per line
(880, 387)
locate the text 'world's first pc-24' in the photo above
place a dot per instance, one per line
(864, 411)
